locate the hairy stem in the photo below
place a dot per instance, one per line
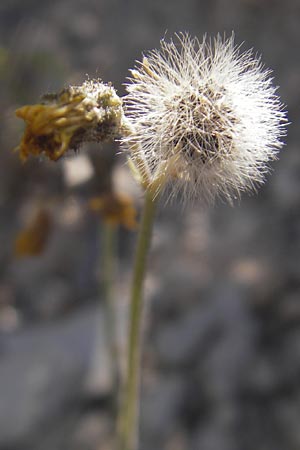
(128, 431)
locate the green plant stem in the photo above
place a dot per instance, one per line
(128, 424)
(110, 232)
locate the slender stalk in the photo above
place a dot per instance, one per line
(128, 424)
(108, 264)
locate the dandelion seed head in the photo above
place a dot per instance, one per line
(205, 118)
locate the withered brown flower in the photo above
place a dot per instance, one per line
(91, 112)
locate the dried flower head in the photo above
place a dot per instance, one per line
(204, 118)
(91, 112)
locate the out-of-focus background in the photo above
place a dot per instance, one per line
(222, 347)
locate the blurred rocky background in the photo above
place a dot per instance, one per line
(222, 348)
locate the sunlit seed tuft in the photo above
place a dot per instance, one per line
(205, 118)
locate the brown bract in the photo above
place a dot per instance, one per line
(31, 241)
(91, 112)
(116, 209)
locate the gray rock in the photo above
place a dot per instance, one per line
(43, 372)
(53, 297)
(160, 409)
(181, 340)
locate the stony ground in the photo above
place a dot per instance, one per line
(222, 348)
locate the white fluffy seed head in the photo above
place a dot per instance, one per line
(204, 117)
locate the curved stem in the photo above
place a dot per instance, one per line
(128, 432)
